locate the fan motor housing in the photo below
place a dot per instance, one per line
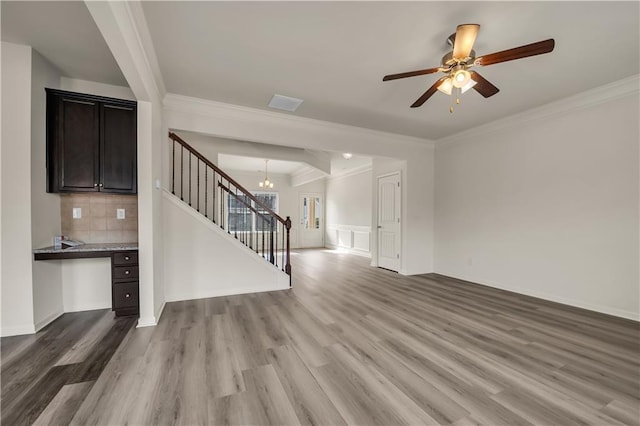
(448, 61)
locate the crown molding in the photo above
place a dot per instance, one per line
(209, 108)
(629, 86)
(351, 172)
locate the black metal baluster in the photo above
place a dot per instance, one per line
(190, 178)
(205, 190)
(271, 252)
(198, 186)
(173, 168)
(213, 198)
(182, 172)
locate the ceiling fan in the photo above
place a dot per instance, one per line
(456, 65)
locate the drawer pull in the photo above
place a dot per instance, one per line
(126, 272)
(126, 258)
(127, 295)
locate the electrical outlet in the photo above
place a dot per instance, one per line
(119, 213)
(77, 213)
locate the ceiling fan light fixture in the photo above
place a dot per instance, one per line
(468, 86)
(461, 78)
(446, 86)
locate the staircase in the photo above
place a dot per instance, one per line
(215, 195)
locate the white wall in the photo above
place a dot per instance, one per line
(349, 212)
(86, 283)
(202, 261)
(241, 123)
(546, 205)
(45, 208)
(17, 288)
(95, 88)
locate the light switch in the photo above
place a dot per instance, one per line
(119, 213)
(77, 213)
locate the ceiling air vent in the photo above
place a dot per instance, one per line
(285, 103)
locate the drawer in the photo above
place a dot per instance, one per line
(125, 258)
(125, 272)
(125, 295)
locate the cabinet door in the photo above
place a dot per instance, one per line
(76, 145)
(118, 149)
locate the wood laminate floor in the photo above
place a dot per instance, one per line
(349, 344)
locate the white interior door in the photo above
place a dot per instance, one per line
(311, 220)
(389, 231)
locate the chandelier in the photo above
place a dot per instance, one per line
(266, 183)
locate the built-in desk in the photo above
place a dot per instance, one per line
(124, 270)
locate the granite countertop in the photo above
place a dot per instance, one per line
(89, 248)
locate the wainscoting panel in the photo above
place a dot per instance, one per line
(352, 238)
(361, 241)
(344, 238)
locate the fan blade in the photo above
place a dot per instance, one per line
(483, 86)
(426, 95)
(465, 37)
(532, 49)
(410, 74)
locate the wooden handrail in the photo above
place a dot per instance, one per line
(226, 176)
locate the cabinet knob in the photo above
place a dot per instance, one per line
(101, 185)
(127, 295)
(95, 184)
(126, 258)
(126, 272)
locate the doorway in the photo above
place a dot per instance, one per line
(311, 220)
(389, 230)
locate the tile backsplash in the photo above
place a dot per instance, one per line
(98, 223)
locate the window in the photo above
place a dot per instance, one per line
(242, 216)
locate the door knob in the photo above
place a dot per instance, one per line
(379, 226)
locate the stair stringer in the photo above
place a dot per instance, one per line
(202, 260)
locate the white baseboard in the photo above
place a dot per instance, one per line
(48, 320)
(634, 316)
(151, 321)
(88, 307)
(222, 292)
(17, 330)
(349, 250)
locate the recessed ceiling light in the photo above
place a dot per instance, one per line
(285, 103)
(347, 155)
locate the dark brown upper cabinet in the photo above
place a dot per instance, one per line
(91, 143)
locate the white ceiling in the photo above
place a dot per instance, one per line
(251, 164)
(339, 165)
(334, 54)
(65, 34)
